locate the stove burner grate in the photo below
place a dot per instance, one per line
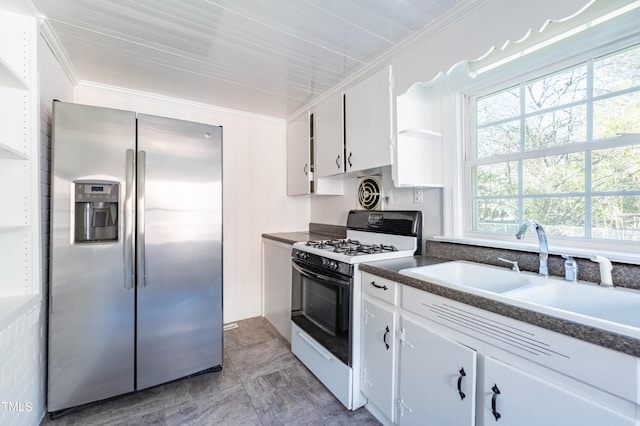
(351, 247)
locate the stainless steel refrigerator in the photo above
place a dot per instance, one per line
(135, 295)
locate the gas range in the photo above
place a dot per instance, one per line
(326, 294)
(371, 236)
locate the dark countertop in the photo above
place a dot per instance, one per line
(389, 269)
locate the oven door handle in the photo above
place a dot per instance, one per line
(319, 277)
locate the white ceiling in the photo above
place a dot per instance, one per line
(268, 57)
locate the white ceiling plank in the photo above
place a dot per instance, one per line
(267, 57)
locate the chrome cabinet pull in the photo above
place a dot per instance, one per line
(306, 169)
(142, 277)
(338, 161)
(129, 242)
(349, 159)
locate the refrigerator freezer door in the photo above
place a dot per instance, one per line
(91, 305)
(179, 282)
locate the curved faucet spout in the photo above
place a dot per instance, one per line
(543, 245)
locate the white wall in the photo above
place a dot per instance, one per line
(254, 185)
(333, 209)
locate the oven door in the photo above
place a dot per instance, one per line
(321, 306)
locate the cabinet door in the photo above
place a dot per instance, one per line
(378, 355)
(276, 285)
(368, 122)
(513, 397)
(298, 156)
(437, 378)
(328, 137)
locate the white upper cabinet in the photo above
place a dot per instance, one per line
(298, 168)
(329, 137)
(301, 160)
(368, 134)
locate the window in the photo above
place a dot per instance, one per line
(562, 149)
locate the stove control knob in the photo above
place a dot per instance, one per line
(302, 255)
(330, 264)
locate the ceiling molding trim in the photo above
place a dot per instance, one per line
(440, 24)
(51, 39)
(162, 98)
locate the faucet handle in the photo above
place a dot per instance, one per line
(570, 268)
(512, 262)
(605, 269)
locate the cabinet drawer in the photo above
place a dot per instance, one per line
(380, 288)
(335, 375)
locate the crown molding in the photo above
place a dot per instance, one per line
(123, 91)
(51, 39)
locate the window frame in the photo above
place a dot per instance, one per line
(561, 56)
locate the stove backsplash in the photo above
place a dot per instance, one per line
(624, 274)
(333, 230)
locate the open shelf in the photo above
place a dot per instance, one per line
(9, 78)
(11, 153)
(15, 263)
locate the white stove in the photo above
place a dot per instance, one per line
(326, 294)
(362, 246)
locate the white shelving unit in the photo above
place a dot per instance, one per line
(418, 149)
(19, 153)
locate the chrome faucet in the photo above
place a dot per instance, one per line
(542, 244)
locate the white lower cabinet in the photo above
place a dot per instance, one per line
(428, 360)
(379, 355)
(276, 285)
(512, 397)
(437, 383)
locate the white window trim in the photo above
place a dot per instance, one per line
(622, 31)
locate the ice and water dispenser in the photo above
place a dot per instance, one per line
(96, 211)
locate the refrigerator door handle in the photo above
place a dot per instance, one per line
(142, 277)
(129, 245)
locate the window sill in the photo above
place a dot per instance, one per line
(614, 256)
(13, 307)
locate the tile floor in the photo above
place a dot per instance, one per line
(261, 383)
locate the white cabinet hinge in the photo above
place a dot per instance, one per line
(403, 339)
(366, 314)
(402, 407)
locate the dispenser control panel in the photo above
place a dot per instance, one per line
(92, 191)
